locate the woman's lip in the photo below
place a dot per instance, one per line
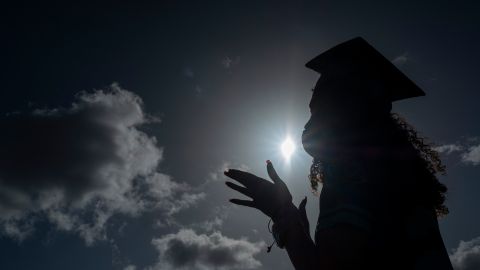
(307, 142)
(307, 137)
(307, 133)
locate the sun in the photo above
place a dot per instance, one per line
(287, 147)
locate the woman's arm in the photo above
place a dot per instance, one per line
(290, 232)
(338, 247)
(275, 201)
(342, 246)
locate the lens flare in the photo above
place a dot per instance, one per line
(287, 147)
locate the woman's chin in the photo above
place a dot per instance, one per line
(316, 153)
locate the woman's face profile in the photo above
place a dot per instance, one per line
(333, 119)
(318, 131)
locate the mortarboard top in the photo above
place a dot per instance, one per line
(356, 56)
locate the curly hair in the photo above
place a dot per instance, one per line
(432, 191)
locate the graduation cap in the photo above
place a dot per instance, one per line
(358, 60)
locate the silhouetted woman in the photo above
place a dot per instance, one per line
(380, 196)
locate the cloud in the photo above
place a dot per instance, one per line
(78, 166)
(218, 175)
(188, 72)
(213, 223)
(198, 89)
(188, 250)
(469, 151)
(467, 255)
(210, 225)
(401, 59)
(472, 155)
(228, 62)
(448, 148)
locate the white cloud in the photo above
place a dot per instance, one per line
(188, 250)
(215, 222)
(472, 155)
(211, 225)
(130, 267)
(218, 175)
(78, 166)
(448, 148)
(469, 150)
(467, 255)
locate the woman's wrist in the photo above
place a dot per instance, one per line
(284, 219)
(286, 210)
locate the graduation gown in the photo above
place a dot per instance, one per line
(397, 237)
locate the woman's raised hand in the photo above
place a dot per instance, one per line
(266, 196)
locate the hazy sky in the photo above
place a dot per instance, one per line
(118, 119)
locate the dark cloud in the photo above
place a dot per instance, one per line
(73, 147)
(80, 165)
(188, 250)
(188, 72)
(401, 59)
(228, 62)
(467, 255)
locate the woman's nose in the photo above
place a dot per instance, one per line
(308, 124)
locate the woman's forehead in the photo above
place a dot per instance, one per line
(328, 92)
(352, 92)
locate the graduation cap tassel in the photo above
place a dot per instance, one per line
(269, 248)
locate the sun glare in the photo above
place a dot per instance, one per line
(287, 147)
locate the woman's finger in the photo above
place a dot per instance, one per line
(243, 202)
(246, 179)
(272, 173)
(238, 188)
